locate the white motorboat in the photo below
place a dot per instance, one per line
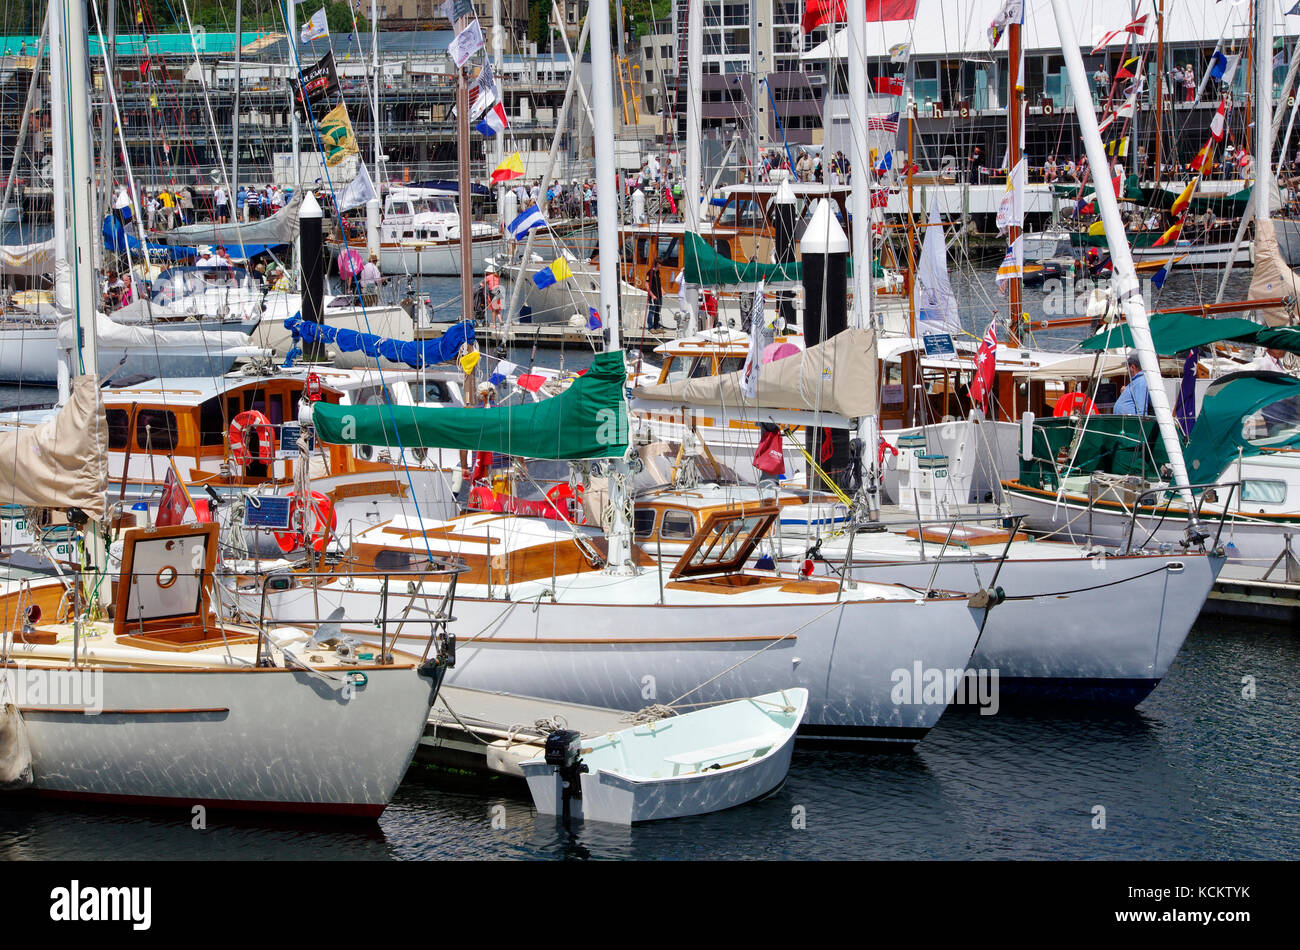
(692, 764)
(419, 234)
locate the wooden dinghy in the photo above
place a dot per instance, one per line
(701, 762)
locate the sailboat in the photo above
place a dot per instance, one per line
(168, 702)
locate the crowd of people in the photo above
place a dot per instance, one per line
(167, 208)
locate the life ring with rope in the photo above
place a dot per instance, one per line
(311, 523)
(1075, 401)
(565, 498)
(255, 424)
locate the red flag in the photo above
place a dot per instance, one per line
(1170, 235)
(820, 12)
(882, 11)
(1203, 162)
(889, 85)
(985, 365)
(144, 66)
(175, 500)
(880, 198)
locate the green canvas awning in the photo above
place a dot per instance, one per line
(1178, 332)
(706, 267)
(1217, 436)
(586, 421)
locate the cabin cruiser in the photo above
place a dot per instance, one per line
(419, 234)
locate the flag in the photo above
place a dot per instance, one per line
(879, 198)
(1013, 265)
(885, 164)
(454, 10)
(175, 499)
(1011, 208)
(1216, 124)
(1170, 235)
(316, 28)
(1224, 67)
(483, 90)
(1204, 160)
(337, 139)
(359, 191)
(1159, 277)
(467, 42)
(937, 304)
(898, 52)
(986, 362)
(1124, 72)
(512, 167)
(153, 100)
(1013, 11)
(889, 85)
(888, 124)
(1279, 58)
(1294, 11)
(1138, 28)
(525, 222)
(593, 319)
(503, 371)
(754, 358)
(144, 66)
(820, 12)
(493, 121)
(1105, 123)
(1182, 201)
(552, 273)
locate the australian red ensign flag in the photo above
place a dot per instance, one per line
(985, 362)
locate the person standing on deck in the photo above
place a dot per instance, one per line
(369, 279)
(221, 205)
(654, 296)
(492, 289)
(241, 204)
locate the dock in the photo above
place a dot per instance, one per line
(1243, 593)
(483, 731)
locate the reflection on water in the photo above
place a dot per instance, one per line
(1197, 772)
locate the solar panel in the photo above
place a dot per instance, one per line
(268, 512)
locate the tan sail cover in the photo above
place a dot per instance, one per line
(838, 375)
(1273, 277)
(62, 462)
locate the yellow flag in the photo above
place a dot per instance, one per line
(1182, 201)
(336, 135)
(1097, 227)
(560, 268)
(512, 167)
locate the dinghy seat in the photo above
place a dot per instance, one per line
(741, 750)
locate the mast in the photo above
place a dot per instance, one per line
(462, 171)
(694, 98)
(234, 119)
(498, 61)
(1125, 281)
(859, 161)
(1014, 81)
(58, 136)
(291, 13)
(372, 206)
(1160, 83)
(908, 359)
(602, 92)
(1264, 115)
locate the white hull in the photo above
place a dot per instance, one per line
(31, 355)
(433, 259)
(625, 655)
(1197, 255)
(270, 739)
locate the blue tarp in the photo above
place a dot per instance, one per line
(411, 352)
(118, 239)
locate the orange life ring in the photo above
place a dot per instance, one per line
(1071, 402)
(565, 499)
(238, 437)
(310, 523)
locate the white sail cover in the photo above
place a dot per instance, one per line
(279, 228)
(27, 260)
(112, 335)
(1273, 277)
(838, 375)
(936, 307)
(62, 462)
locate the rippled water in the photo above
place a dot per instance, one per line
(1196, 772)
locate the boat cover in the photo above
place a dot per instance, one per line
(415, 353)
(61, 462)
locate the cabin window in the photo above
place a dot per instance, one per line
(212, 423)
(119, 428)
(1275, 425)
(369, 396)
(730, 364)
(722, 246)
(394, 561)
(677, 524)
(643, 250)
(668, 251)
(431, 390)
(155, 429)
(268, 404)
(643, 522)
(1268, 491)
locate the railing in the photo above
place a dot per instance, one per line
(1171, 492)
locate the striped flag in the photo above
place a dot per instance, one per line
(493, 121)
(1170, 235)
(887, 124)
(1138, 28)
(1013, 265)
(1182, 201)
(525, 222)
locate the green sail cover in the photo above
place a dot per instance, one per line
(706, 267)
(1178, 332)
(1121, 445)
(586, 421)
(1217, 436)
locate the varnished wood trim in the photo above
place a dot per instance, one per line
(79, 710)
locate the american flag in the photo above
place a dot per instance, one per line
(888, 124)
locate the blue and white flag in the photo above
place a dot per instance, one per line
(527, 220)
(1218, 64)
(1159, 277)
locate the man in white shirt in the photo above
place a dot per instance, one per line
(205, 258)
(221, 204)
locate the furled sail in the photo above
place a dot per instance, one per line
(415, 353)
(586, 421)
(27, 260)
(1272, 277)
(937, 305)
(838, 375)
(62, 462)
(279, 228)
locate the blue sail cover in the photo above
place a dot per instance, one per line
(117, 239)
(415, 353)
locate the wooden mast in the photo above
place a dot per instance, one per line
(466, 191)
(908, 361)
(1160, 83)
(1006, 383)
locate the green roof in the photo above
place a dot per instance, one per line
(1217, 436)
